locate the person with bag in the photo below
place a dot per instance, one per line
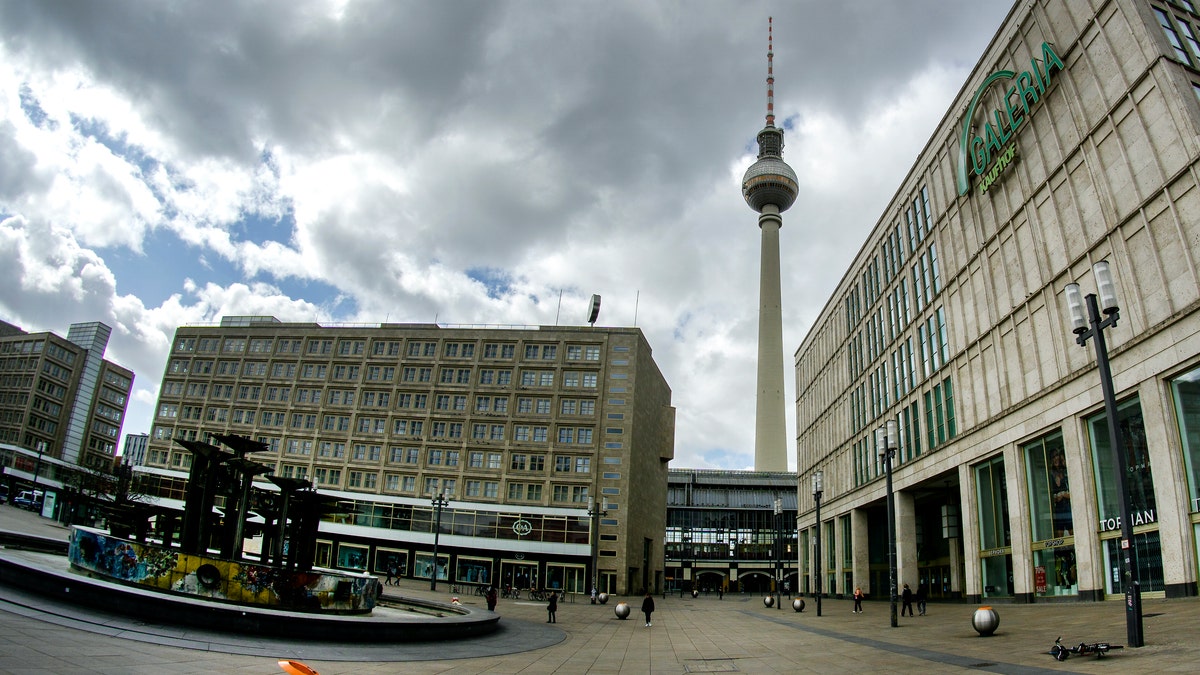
(858, 598)
(552, 607)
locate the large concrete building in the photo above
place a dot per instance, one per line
(62, 403)
(1075, 140)
(551, 443)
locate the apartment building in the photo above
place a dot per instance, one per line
(62, 404)
(517, 429)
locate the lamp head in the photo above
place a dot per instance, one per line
(1075, 309)
(1106, 288)
(817, 479)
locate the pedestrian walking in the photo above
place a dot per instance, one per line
(922, 596)
(391, 575)
(721, 592)
(552, 607)
(593, 595)
(490, 595)
(858, 598)
(907, 598)
(648, 607)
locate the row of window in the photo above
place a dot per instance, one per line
(941, 426)
(385, 348)
(486, 404)
(290, 370)
(1181, 30)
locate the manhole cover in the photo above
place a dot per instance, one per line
(710, 666)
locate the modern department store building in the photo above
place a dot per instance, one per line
(1076, 139)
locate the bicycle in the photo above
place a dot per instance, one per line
(481, 590)
(1097, 649)
(456, 588)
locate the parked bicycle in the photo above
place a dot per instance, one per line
(1097, 649)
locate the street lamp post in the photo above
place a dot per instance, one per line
(595, 514)
(817, 489)
(37, 466)
(441, 501)
(885, 446)
(685, 541)
(778, 550)
(1086, 328)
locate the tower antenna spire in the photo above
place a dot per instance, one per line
(770, 72)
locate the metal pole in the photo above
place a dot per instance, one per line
(778, 551)
(1130, 584)
(817, 498)
(891, 507)
(438, 502)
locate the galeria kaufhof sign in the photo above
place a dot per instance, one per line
(989, 146)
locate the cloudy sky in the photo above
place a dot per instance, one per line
(461, 161)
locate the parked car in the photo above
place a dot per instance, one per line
(29, 499)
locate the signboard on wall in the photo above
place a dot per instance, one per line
(987, 144)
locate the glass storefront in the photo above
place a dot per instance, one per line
(423, 566)
(1185, 390)
(1139, 481)
(473, 570)
(352, 557)
(1051, 522)
(995, 535)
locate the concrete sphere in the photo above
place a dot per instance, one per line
(985, 621)
(798, 604)
(769, 601)
(622, 610)
(695, 594)
(603, 598)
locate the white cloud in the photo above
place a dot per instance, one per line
(368, 161)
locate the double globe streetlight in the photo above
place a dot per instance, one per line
(885, 446)
(1087, 327)
(817, 478)
(441, 501)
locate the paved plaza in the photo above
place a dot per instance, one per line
(704, 635)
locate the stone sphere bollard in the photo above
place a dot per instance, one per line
(695, 593)
(622, 610)
(769, 601)
(603, 598)
(985, 621)
(798, 604)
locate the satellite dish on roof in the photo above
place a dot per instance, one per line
(594, 310)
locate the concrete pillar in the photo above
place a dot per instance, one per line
(906, 541)
(1020, 531)
(969, 508)
(860, 551)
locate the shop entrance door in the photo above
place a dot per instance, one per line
(519, 575)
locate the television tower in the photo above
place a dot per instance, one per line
(770, 187)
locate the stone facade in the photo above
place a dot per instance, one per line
(950, 321)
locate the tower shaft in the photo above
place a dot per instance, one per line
(770, 443)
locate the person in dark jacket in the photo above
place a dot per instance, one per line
(648, 607)
(552, 607)
(491, 598)
(906, 596)
(922, 597)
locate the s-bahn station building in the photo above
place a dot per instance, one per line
(1075, 140)
(531, 456)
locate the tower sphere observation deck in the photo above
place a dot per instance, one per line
(769, 180)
